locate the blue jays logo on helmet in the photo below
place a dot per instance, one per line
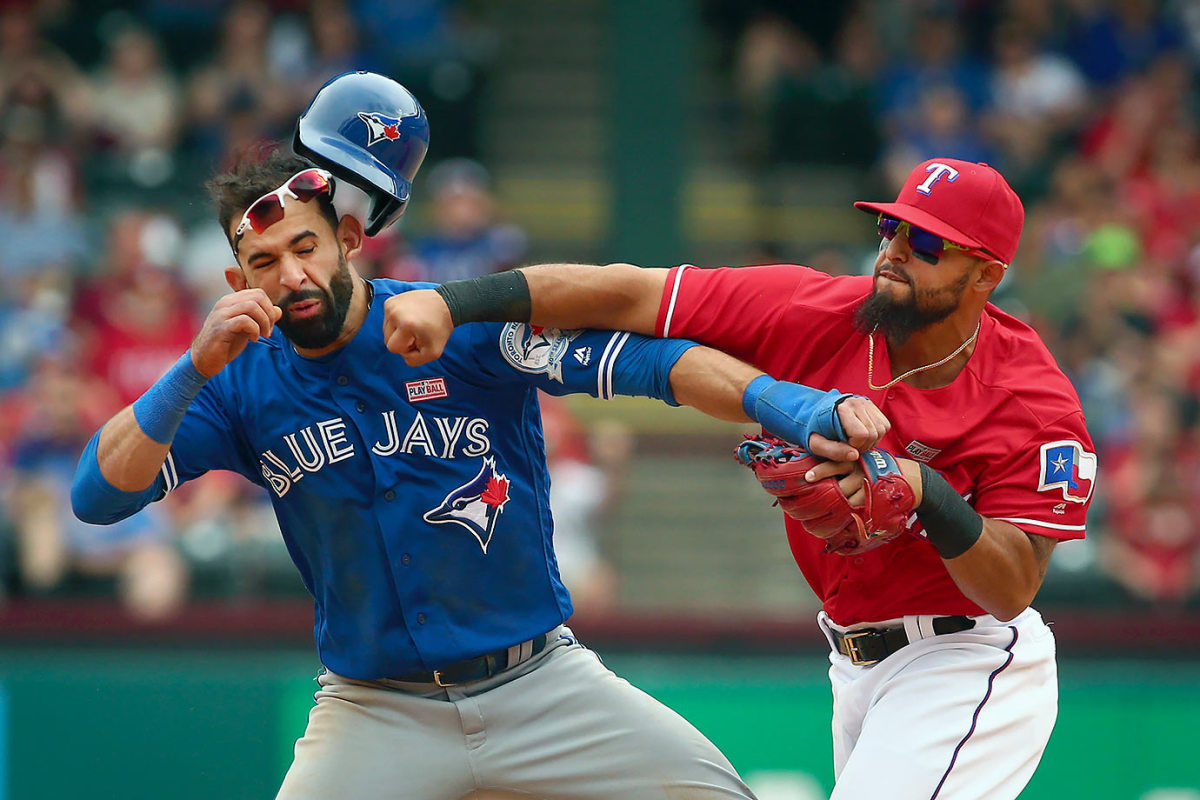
(381, 127)
(476, 505)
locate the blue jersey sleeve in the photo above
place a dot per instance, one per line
(600, 363)
(205, 440)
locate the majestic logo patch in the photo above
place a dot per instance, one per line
(583, 355)
(476, 505)
(1066, 465)
(921, 451)
(427, 389)
(381, 127)
(534, 349)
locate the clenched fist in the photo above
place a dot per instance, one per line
(417, 325)
(235, 320)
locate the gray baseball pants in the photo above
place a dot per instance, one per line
(558, 726)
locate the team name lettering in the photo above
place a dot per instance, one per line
(417, 438)
(314, 447)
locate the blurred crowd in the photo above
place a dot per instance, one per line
(112, 114)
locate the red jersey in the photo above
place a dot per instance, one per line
(1008, 433)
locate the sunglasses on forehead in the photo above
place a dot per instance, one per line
(929, 247)
(268, 209)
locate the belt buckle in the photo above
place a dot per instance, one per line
(852, 651)
(437, 679)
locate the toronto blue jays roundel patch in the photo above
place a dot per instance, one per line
(534, 349)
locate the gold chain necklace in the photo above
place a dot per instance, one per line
(911, 372)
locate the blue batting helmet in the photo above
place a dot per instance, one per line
(371, 132)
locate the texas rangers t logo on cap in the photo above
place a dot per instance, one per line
(1067, 466)
(937, 170)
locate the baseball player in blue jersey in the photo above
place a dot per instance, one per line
(414, 501)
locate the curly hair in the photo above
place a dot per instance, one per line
(255, 174)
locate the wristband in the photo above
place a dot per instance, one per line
(951, 524)
(160, 410)
(502, 297)
(753, 391)
(793, 411)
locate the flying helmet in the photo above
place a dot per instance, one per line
(370, 132)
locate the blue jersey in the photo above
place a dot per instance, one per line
(413, 500)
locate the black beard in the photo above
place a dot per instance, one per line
(898, 320)
(322, 330)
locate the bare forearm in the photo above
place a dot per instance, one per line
(614, 297)
(712, 382)
(129, 459)
(1002, 569)
(1001, 572)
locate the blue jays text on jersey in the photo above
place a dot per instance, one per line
(413, 500)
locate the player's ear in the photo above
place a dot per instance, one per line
(990, 274)
(350, 235)
(236, 278)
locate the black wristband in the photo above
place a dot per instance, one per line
(951, 524)
(502, 297)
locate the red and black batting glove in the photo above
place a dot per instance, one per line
(821, 507)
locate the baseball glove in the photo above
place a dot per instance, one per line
(821, 507)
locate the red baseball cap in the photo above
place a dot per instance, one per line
(969, 204)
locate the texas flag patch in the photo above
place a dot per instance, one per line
(1066, 465)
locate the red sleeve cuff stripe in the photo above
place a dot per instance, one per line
(1054, 525)
(666, 327)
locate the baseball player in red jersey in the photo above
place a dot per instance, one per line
(944, 679)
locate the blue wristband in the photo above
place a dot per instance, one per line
(793, 411)
(753, 392)
(160, 410)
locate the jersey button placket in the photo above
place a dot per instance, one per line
(406, 559)
(421, 618)
(342, 380)
(389, 495)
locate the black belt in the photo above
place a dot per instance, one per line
(872, 645)
(479, 667)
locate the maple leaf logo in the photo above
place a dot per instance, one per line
(496, 493)
(392, 132)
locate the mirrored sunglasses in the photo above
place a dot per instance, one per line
(268, 209)
(929, 247)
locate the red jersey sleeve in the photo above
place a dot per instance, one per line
(1046, 486)
(741, 309)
